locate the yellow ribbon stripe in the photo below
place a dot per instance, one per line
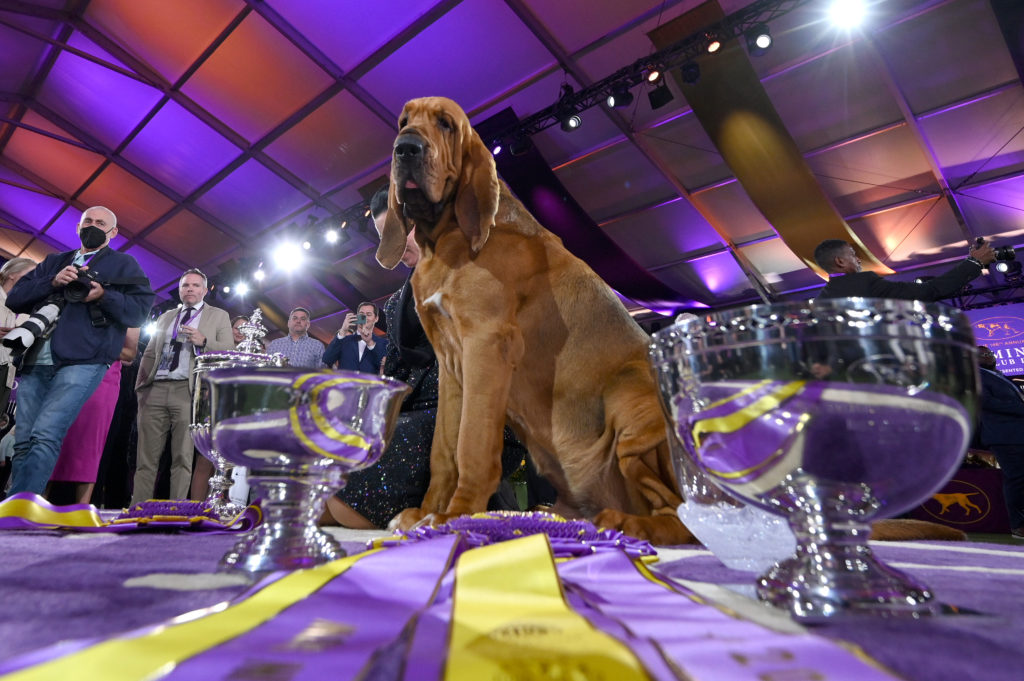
(746, 415)
(511, 621)
(325, 427)
(156, 653)
(41, 515)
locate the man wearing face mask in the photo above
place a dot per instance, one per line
(67, 362)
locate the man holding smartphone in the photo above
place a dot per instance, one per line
(356, 348)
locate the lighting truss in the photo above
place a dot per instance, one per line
(675, 55)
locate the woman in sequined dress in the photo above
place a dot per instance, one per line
(399, 479)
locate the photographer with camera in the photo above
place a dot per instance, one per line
(83, 302)
(837, 257)
(355, 348)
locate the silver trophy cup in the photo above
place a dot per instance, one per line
(299, 433)
(217, 498)
(832, 414)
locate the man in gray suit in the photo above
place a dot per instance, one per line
(165, 383)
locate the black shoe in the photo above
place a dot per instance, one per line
(1018, 533)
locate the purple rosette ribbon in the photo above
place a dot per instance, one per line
(568, 538)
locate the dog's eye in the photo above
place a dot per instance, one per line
(402, 123)
(444, 124)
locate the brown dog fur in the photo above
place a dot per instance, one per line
(524, 333)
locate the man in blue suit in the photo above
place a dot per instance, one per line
(1002, 433)
(355, 348)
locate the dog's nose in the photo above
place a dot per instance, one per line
(408, 148)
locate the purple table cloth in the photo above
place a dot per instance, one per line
(60, 586)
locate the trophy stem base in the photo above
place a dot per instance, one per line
(834, 573)
(218, 498)
(289, 537)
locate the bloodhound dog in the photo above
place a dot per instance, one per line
(524, 333)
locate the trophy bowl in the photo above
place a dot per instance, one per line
(832, 414)
(299, 432)
(217, 498)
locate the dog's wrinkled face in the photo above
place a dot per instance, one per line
(425, 160)
(441, 173)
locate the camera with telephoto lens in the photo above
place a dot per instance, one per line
(76, 291)
(1003, 253)
(21, 338)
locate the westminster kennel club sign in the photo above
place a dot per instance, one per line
(1001, 330)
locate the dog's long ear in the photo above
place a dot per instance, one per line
(476, 200)
(392, 237)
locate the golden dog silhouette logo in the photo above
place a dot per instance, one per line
(959, 503)
(998, 328)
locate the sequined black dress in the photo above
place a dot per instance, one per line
(400, 477)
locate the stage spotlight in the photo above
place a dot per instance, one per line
(652, 74)
(571, 121)
(690, 72)
(226, 289)
(1008, 268)
(660, 96)
(149, 328)
(847, 14)
(306, 245)
(241, 288)
(366, 213)
(758, 40)
(331, 236)
(259, 275)
(713, 44)
(496, 147)
(620, 97)
(288, 256)
(519, 146)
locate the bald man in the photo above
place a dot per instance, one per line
(62, 368)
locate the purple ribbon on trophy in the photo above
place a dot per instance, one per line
(761, 431)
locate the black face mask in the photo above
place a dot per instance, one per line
(92, 236)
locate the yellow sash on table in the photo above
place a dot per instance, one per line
(511, 621)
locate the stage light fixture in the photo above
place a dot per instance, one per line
(847, 14)
(690, 72)
(1011, 269)
(149, 329)
(226, 289)
(713, 42)
(759, 40)
(495, 147)
(306, 245)
(519, 146)
(652, 74)
(660, 96)
(288, 256)
(259, 275)
(241, 288)
(366, 213)
(619, 97)
(331, 236)
(571, 122)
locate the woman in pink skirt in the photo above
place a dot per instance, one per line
(83, 445)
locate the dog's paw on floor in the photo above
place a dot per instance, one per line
(659, 530)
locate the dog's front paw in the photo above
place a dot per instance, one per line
(660, 530)
(407, 519)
